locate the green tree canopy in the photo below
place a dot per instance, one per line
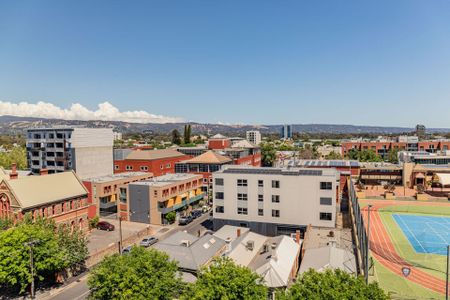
(17, 155)
(392, 156)
(225, 280)
(364, 155)
(333, 155)
(330, 285)
(56, 250)
(140, 274)
(176, 137)
(268, 154)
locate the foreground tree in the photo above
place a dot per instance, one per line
(268, 154)
(225, 280)
(330, 285)
(140, 274)
(54, 251)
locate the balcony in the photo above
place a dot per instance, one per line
(196, 198)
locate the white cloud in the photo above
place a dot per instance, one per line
(105, 112)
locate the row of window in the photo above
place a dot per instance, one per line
(275, 183)
(275, 198)
(142, 168)
(275, 213)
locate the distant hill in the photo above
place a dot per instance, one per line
(12, 124)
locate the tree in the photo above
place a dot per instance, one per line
(176, 138)
(364, 155)
(333, 155)
(225, 280)
(55, 251)
(187, 134)
(332, 284)
(171, 216)
(140, 274)
(392, 156)
(268, 154)
(17, 155)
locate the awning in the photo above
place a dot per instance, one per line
(420, 175)
(444, 179)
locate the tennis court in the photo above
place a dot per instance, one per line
(426, 234)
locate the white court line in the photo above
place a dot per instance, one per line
(436, 233)
(413, 235)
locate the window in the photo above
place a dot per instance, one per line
(168, 166)
(116, 167)
(219, 195)
(242, 182)
(325, 201)
(326, 186)
(242, 197)
(220, 209)
(144, 168)
(326, 216)
(219, 181)
(275, 213)
(161, 167)
(129, 168)
(260, 198)
(260, 212)
(276, 184)
(242, 210)
(275, 198)
(260, 183)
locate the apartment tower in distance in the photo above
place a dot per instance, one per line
(286, 132)
(87, 151)
(254, 137)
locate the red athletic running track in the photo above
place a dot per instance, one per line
(384, 251)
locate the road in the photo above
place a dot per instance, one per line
(79, 290)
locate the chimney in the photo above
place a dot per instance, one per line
(13, 174)
(238, 232)
(297, 236)
(43, 172)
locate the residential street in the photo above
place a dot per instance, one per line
(79, 290)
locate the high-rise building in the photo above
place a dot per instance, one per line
(286, 132)
(420, 130)
(87, 151)
(254, 137)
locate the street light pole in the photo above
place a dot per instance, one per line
(368, 244)
(446, 277)
(120, 234)
(31, 244)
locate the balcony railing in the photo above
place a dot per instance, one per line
(165, 210)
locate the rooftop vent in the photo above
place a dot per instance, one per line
(185, 243)
(250, 245)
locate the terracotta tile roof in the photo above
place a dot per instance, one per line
(209, 157)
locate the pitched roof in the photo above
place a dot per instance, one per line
(218, 136)
(32, 191)
(243, 144)
(195, 254)
(328, 257)
(153, 154)
(209, 157)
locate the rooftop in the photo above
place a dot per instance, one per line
(167, 179)
(276, 171)
(118, 176)
(153, 154)
(328, 163)
(209, 157)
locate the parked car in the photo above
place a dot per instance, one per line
(103, 225)
(185, 220)
(148, 241)
(196, 213)
(127, 249)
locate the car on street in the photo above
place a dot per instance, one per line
(196, 213)
(103, 225)
(127, 250)
(185, 220)
(148, 241)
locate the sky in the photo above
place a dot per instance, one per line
(356, 62)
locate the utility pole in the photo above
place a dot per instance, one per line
(31, 245)
(368, 244)
(446, 277)
(120, 234)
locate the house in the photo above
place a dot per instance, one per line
(191, 252)
(274, 258)
(60, 196)
(328, 257)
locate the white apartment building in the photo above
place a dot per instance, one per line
(87, 151)
(254, 137)
(274, 201)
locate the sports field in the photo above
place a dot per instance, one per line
(413, 235)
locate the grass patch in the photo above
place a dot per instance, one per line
(399, 287)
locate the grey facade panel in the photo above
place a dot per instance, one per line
(139, 203)
(269, 229)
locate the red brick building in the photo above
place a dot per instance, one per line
(61, 197)
(158, 162)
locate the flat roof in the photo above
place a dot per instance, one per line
(229, 169)
(328, 163)
(167, 179)
(118, 176)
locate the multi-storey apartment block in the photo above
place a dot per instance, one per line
(151, 200)
(254, 137)
(87, 151)
(274, 201)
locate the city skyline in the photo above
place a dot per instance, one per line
(383, 63)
